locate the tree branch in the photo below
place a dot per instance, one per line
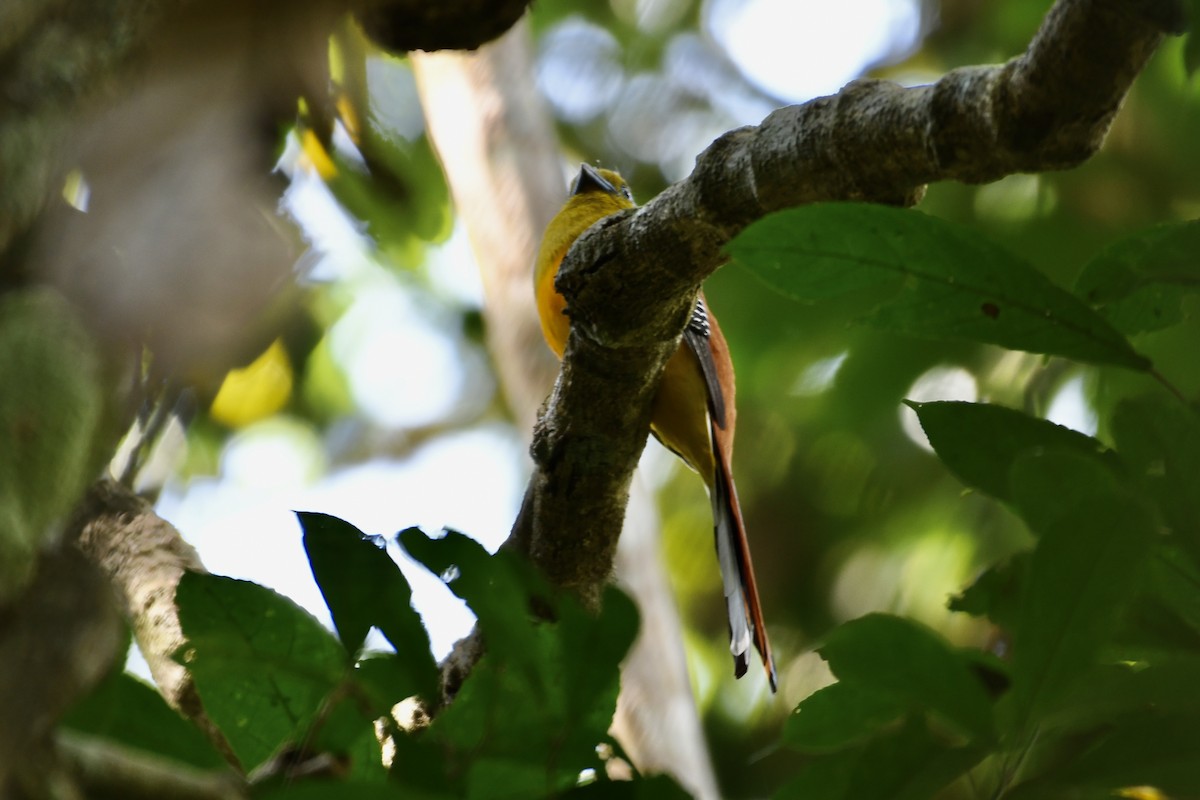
(144, 557)
(630, 281)
(105, 769)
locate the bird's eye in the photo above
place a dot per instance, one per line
(627, 193)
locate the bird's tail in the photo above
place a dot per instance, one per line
(737, 573)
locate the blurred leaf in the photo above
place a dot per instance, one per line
(364, 588)
(1138, 283)
(49, 418)
(828, 777)
(907, 763)
(1151, 748)
(386, 679)
(401, 195)
(1191, 46)
(502, 779)
(839, 715)
(346, 731)
(1034, 790)
(1175, 578)
(419, 764)
(944, 281)
(996, 594)
(657, 787)
(415, 163)
(261, 664)
(1094, 540)
(323, 789)
(1166, 613)
(127, 711)
(324, 388)
(1112, 690)
(256, 391)
(1159, 438)
(913, 664)
(989, 669)
(979, 442)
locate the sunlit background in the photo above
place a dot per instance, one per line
(383, 408)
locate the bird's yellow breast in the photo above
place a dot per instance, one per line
(551, 309)
(580, 212)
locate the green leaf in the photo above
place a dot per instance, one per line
(1159, 438)
(1152, 748)
(658, 787)
(1174, 580)
(345, 730)
(127, 711)
(1165, 615)
(1113, 690)
(945, 281)
(1043, 791)
(352, 572)
(496, 587)
(385, 679)
(419, 764)
(1094, 540)
(363, 587)
(839, 715)
(324, 789)
(1138, 283)
(550, 724)
(502, 779)
(979, 442)
(517, 672)
(1191, 45)
(50, 415)
(402, 196)
(592, 651)
(907, 763)
(553, 684)
(828, 778)
(996, 594)
(261, 664)
(896, 656)
(533, 716)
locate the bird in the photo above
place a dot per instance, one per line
(693, 413)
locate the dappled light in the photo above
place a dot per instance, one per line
(782, 46)
(939, 383)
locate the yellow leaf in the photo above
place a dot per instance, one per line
(314, 156)
(1141, 793)
(255, 391)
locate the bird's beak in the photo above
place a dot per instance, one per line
(590, 181)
